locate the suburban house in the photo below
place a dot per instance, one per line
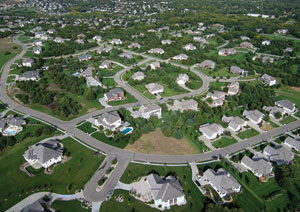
(266, 42)
(238, 70)
(37, 50)
(138, 76)
(38, 43)
(282, 31)
(39, 34)
(199, 39)
(106, 50)
(254, 115)
(156, 51)
(115, 41)
(166, 191)
(268, 80)
(190, 104)
(222, 181)
(29, 75)
(10, 126)
(211, 131)
(246, 45)
(134, 46)
(79, 41)
(126, 55)
(207, 64)
(279, 154)
(267, 59)
(93, 82)
(181, 57)
(44, 154)
(109, 121)
(287, 105)
(233, 88)
(59, 40)
(235, 123)
(97, 38)
(292, 143)
(227, 52)
(272, 110)
(244, 38)
(189, 47)
(106, 64)
(182, 79)
(258, 166)
(155, 88)
(27, 62)
(114, 94)
(154, 65)
(150, 110)
(218, 98)
(164, 42)
(84, 57)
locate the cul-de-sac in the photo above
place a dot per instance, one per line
(141, 106)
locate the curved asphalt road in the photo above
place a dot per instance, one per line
(70, 126)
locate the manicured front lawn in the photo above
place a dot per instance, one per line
(195, 200)
(223, 142)
(87, 127)
(10, 79)
(287, 120)
(66, 179)
(101, 137)
(62, 206)
(129, 99)
(247, 133)
(297, 114)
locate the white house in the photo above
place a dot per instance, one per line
(166, 192)
(156, 51)
(235, 123)
(266, 42)
(182, 79)
(45, 153)
(29, 75)
(27, 62)
(268, 80)
(288, 106)
(97, 38)
(292, 143)
(258, 166)
(181, 57)
(190, 104)
(138, 76)
(189, 47)
(211, 131)
(150, 110)
(154, 65)
(164, 42)
(110, 121)
(222, 182)
(37, 50)
(155, 88)
(115, 41)
(106, 64)
(254, 116)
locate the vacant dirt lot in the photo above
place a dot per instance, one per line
(266, 127)
(157, 143)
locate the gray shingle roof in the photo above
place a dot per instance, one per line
(114, 92)
(279, 154)
(258, 166)
(110, 117)
(165, 189)
(285, 104)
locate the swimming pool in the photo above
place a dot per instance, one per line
(75, 74)
(9, 132)
(126, 131)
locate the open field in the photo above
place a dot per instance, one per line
(286, 92)
(7, 50)
(157, 143)
(66, 179)
(86, 127)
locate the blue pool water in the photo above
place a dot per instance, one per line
(126, 130)
(74, 74)
(9, 132)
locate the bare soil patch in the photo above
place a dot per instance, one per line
(296, 88)
(157, 143)
(7, 44)
(266, 127)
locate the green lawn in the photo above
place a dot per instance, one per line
(66, 179)
(297, 114)
(87, 127)
(129, 99)
(223, 72)
(247, 133)
(65, 206)
(108, 73)
(223, 142)
(195, 200)
(10, 79)
(101, 137)
(286, 92)
(4, 58)
(287, 120)
(109, 82)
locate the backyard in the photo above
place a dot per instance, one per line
(223, 142)
(248, 133)
(66, 179)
